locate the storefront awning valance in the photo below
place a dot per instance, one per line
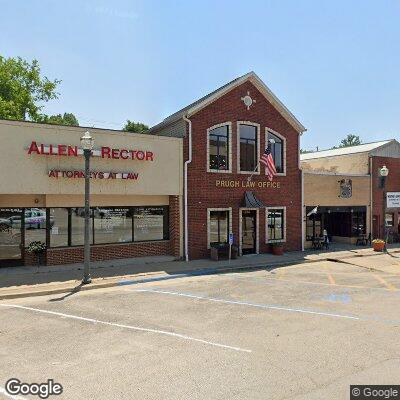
(250, 201)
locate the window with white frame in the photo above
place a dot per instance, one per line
(218, 227)
(248, 147)
(219, 148)
(277, 150)
(276, 228)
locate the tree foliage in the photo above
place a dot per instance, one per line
(23, 89)
(137, 127)
(350, 140)
(66, 119)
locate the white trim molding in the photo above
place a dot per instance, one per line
(269, 130)
(257, 228)
(229, 209)
(229, 170)
(238, 123)
(267, 241)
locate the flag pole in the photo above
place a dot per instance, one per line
(255, 170)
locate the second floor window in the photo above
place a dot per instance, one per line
(248, 147)
(219, 148)
(277, 152)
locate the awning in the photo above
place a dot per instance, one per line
(250, 201)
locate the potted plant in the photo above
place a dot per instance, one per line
(37, 248)
(378, 244)
(277, 248)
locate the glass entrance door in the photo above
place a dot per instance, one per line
(249, 223)
(10, 236)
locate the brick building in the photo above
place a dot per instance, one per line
(136, 194)
(226, 192)
(343, 192)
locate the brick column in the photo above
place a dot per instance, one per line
(174, 226)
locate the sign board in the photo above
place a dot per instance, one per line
(393, 200)
(231, 238)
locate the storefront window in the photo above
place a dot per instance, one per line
(219, 148)
(59, 227)
(314, 226)
(78, 227)
(112, 225)
(150, 223)
(219, 226)
(35, 225)
(10, 233)
(389, 218)
(358, 223)
(248, 147)
(276, 224)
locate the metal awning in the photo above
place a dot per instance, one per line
(250, 201)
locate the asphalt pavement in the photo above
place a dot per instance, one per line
(305, 331)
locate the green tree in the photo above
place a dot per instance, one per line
(23, 89)
(138, 127)
(66, 119)
(350, 140)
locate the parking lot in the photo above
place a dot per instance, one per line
(301, 332)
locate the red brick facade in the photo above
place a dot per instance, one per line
(202, 190)
(70, 255)
(392, 185)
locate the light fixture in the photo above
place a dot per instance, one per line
(87, 141)
(384, 171)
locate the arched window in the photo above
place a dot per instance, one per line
(277, 151)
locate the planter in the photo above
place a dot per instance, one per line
(378, 246)
(277, 250)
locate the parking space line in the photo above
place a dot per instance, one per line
(136, 328)
(10, 396)
(384, 282)
(312, 283)
(331, 280)
(250, 304)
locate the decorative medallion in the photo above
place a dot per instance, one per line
(346, 188)
(248, 101)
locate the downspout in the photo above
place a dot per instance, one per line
(302, 210)
(187, 162)
(370, 196)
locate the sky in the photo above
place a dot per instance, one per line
(334, 64)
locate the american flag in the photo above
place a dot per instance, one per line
(268, 161)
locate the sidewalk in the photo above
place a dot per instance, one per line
(33, 281)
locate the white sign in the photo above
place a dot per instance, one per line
(393, 199)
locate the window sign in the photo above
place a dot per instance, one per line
(393, 199)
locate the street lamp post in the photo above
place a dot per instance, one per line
(384, 172)
(87, 143)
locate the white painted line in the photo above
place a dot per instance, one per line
(245, 303)
(10, 396)
(136, 328)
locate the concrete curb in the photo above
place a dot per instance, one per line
(154, 277)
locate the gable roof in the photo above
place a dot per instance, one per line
(211, 97)
(362, 148)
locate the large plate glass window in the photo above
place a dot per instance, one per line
(219, 227)
(150, 223)
(78, 226)
(277, 151)
(218, 140)
(248, 147)
(10, 233)
(35, 225)
(276, 224)
(59, 231)
(112, 225)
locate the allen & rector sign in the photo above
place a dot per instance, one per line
(104, 152)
